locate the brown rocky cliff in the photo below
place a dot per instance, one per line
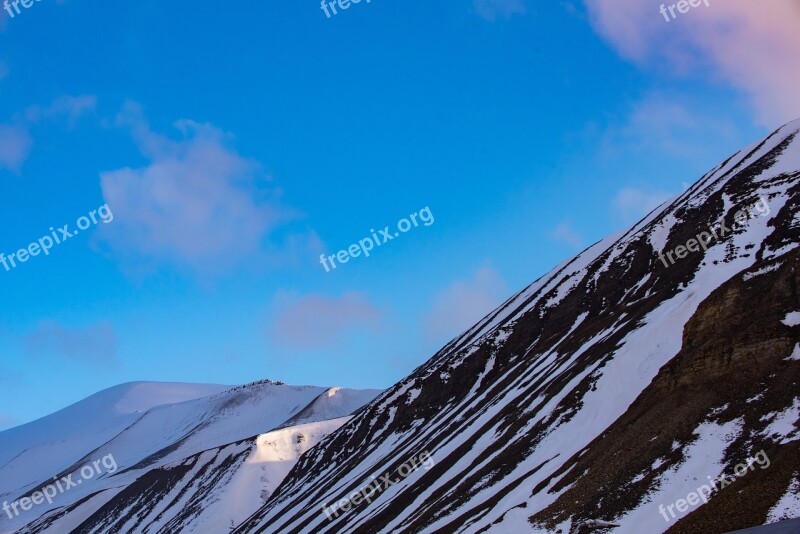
(734, 358)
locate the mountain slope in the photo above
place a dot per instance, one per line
(618, 382)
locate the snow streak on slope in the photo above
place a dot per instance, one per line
(514, 409)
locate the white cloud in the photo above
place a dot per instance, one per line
(197, 205)
(752, 46)
(93, 344)
(564, 233)
(492, 9)
(464, 303)
(318, 321)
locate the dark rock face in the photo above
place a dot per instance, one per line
(579, 396)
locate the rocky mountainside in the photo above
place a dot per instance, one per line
(656, 361)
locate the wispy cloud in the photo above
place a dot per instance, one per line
(564, 233)
(672, 126)
(658, 132)
(15, 137)
(463, 303)
(197, 205)
(631, 204)
(752, 47)
(491, 10)
(319, 321)
(15, 145)
(7, 421)
(95, 344)
(69, 107)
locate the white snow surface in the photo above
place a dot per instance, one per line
(102, 415)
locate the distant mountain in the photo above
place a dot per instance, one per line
(42, 445)
(618, 383)
(150, 429)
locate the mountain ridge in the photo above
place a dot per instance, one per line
(532, 385)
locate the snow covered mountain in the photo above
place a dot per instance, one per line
(143, 430)
(656, 362)
(651, 363)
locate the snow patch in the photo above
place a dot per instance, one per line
(788, 506)
(784, 424)
(792, 319)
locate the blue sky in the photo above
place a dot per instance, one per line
(235, 143)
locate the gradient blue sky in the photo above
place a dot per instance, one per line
(235, 142)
